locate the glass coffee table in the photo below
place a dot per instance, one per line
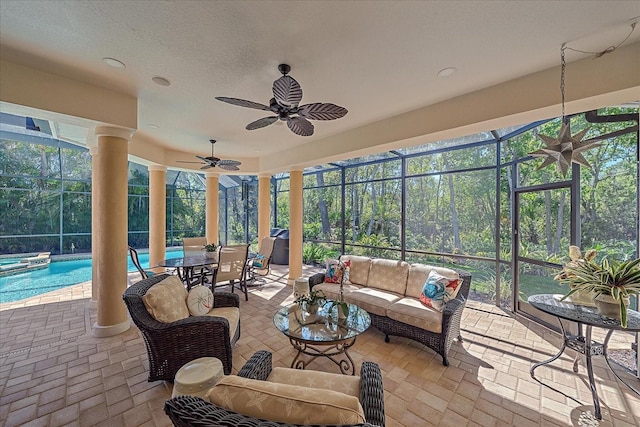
(322, 334)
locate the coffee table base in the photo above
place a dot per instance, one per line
(336, 352)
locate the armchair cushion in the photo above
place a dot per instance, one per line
(285, 403)
(166, 301)
(347, 384)
(232, 314)
(200, 300)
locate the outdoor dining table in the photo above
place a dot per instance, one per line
(186, 265)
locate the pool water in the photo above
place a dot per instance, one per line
(58, 275)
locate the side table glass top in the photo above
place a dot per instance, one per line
(322, 327)
(587, 315)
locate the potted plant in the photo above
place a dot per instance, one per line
(211, 251)
(312, 301)
(607, 280)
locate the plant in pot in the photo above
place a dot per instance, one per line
(211, 250)
(311, 301)
(610, 281)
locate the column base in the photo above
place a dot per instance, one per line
(111, 330)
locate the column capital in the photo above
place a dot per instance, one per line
(212, 174)
(296, 169)
(159, 168)
(116, 131)
(265, 175)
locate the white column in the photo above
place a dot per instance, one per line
(295, 224)
(212, 207)
(111, 250)
(264, 206)
(157, 215)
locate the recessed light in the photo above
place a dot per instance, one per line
(112, 62)
(161, 81)
(153, 126)
(446, 72)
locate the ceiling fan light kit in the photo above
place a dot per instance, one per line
(287, 95)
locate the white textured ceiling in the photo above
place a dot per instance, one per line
(378, 59)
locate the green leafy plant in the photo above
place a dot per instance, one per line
(618, 279)
(341, 306)
(211, 247)
(313, 298)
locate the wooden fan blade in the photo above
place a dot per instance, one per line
(206, 167)
(287, 91)
(260, 123)
(228, 162)
(229, 167)
(322, 111)
(300, 126)
(243, 103)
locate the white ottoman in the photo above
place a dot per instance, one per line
(197, 377)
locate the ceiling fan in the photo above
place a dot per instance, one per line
(287, 94)
(213, 161)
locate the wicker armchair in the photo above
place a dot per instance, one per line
(171, 345)
(193, 411)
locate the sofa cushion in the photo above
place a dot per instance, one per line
(232, 314)
(373, 300)
(418, 274)
(166, 301)
(438, 290)
(359, 269)
(332, 290)
(388, 275)
(412, 312)
(199, 300)
(347, 384)
(285, 403)
(334, 271)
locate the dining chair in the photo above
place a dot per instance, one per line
(260, 264)
(136, 261)
(232, 264)
(194, 246)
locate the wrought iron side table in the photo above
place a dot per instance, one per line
(583, 344)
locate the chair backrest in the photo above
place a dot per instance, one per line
(266, 250)
(266, 247)
(193, 245)
(136, 262)
(232, 262)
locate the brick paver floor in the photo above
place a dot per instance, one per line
(53, 372)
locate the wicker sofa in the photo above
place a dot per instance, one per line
(194, 411)
(390, 291)
(171, 345)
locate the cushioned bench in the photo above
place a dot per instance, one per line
(391, 292)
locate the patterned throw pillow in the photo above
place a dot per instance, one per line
(346, 271)
(334, 271)
(200, 300)
(438, 290)
(166, 301)
(258, 261)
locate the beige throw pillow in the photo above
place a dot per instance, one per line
(285, 403)
(200, 300)
(166, 301)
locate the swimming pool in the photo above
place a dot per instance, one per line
(58, 275)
